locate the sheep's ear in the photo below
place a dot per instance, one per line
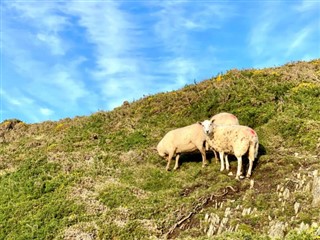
(199, 123)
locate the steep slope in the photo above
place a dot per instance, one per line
(99, 177)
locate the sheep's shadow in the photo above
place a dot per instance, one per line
(195, 157)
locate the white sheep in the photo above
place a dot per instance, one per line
(233, 139)
(223, 118)
(183, 140)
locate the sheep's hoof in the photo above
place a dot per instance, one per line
(175, 168)
(168, 169)
(221, 170)
(230, 174)
(248, 175)
(239, 177)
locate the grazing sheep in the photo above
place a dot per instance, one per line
(183, 140)
(223, 118)
(233, 139)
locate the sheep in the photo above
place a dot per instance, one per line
(183, 140)
(223, 118)
(233, 139)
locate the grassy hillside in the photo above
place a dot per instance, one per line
(99, 177)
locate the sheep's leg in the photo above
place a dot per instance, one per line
(250, 168)
(227, 162)
(238, 175)
(204, 159)
(169, 161)
(176, 166)
(221, 154)
(252, 155)
(207, 146)
(215, 156)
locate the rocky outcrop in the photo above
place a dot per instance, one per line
(316, 190)
(277, 229)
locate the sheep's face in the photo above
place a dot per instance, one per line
(207, 126)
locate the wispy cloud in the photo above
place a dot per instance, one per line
(46, 112)
(281, 29)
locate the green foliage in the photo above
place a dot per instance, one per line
(115, 196)
(33, 202)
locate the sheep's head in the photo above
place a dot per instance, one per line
(207, 126)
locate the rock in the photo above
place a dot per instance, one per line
(286, 194)
(296, 207)
(316, 192)
(251, 183)
(211, 230)
(227, 213)
(213, 220)
(222, 226)
(246, 211)
(303, 227)
(276, 230)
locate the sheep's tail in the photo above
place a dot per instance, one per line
(253, 149)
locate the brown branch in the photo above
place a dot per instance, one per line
(198, 208)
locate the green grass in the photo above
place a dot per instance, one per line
(100, 175)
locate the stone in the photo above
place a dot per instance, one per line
(296, 207)
(246, 211)
(276, 230)
(316, 192)
(227, 212)
(286, 194)
(303, 227)
(307, 187)
(251, 183)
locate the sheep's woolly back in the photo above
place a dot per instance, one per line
(233, 139)
(225, 118)
(185, 139)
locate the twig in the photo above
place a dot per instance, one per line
(198, 208)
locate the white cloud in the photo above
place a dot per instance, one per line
(271, 44)
(298, 40)
(54, 42)
(307, 6)
(15, 100)
(46, 112)
(42, 22)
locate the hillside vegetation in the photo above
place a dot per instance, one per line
(99, 176)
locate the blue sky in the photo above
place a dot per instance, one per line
(72, 58)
